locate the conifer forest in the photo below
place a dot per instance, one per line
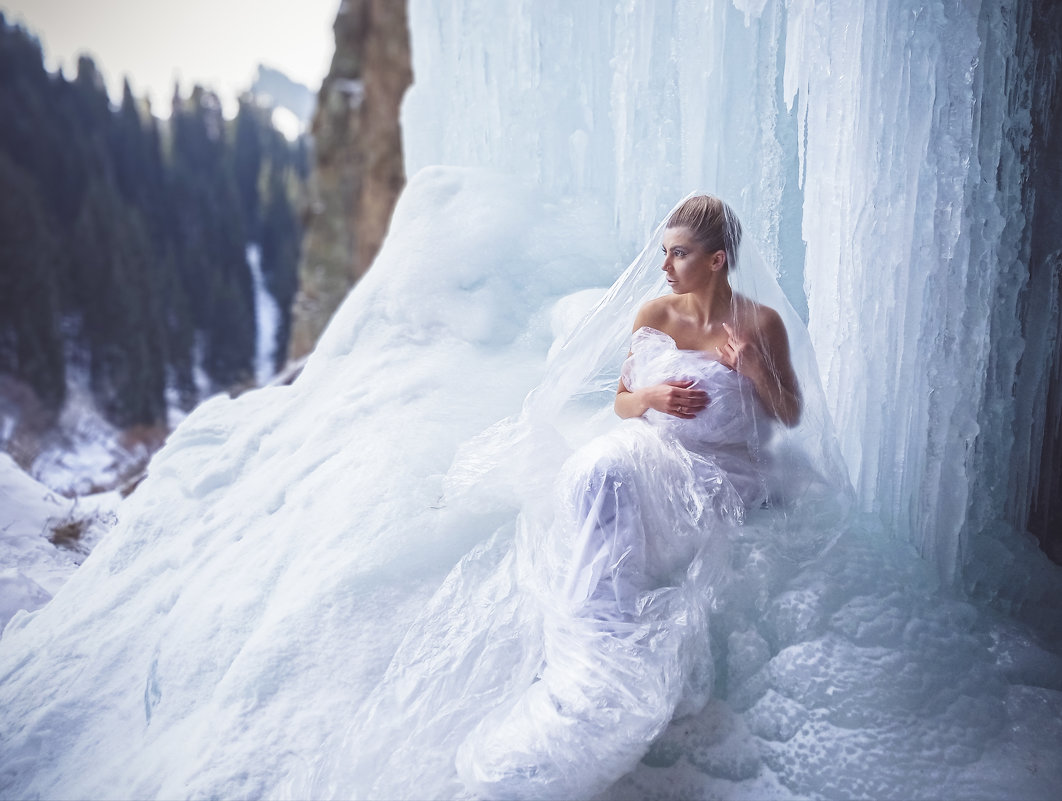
(123, 237)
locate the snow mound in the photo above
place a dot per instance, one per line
(257, 581)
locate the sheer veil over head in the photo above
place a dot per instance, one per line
(511, 460)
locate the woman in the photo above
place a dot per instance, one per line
(553, 655)
(641, 512)
(705, 315)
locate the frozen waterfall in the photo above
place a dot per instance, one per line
(874, 149)
(266, 319)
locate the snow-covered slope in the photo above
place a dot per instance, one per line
(220, 640)
(256, 582)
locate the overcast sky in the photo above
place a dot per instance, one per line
(217, 43)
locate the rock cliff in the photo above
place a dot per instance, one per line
(358, 170)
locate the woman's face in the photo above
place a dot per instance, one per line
(688, 265)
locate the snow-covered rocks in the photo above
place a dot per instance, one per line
(43, 537)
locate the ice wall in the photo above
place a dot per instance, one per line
(873, 147)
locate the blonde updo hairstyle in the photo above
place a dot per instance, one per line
(713, 224)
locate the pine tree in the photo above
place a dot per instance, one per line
(121, 319)
(156, 220)
(31, 347)
(281, 238)
(212, 240)
(247, 164)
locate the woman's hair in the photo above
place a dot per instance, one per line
(713, 223)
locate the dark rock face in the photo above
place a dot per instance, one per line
(358, 171)
(1042, 58)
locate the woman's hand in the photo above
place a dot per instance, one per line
(765, 361)
(677, 398)
(741, 355)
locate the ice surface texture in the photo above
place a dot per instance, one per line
(256, 584)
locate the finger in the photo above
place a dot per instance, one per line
(689, 409)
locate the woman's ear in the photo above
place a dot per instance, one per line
(718, 260)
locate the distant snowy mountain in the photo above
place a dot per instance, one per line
(272, 87)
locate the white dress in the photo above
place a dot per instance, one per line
(621, 582)
(551, 656)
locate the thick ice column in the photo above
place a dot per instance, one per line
(918, 262)
(898, 302)
(1034, 165)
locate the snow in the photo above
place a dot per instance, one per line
(280, 538)
(84, 452)
(287, 122)
(32, 568)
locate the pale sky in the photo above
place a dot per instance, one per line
(217, 43)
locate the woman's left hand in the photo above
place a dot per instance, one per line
(741, 355)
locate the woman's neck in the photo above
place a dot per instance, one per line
(713, 303)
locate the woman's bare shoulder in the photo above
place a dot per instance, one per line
(753, 314)
(655, 313)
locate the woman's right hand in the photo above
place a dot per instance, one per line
(677, 398)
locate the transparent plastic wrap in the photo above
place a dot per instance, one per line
(554, 654)
(621, 583)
